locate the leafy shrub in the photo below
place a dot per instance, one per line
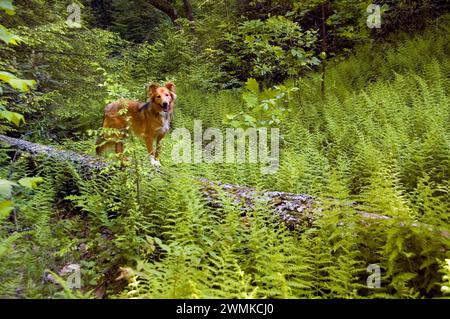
(266, 108)
(269, 51)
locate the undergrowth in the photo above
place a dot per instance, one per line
(377, 142)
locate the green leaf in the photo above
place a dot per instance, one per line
(249, 120)
(314, 61)
(11, 79)
(404, 277)
(251, 99)
(6, 208)
(160, 244)
(6, 76)
(6, 188)
(5, 244)
(235, 124)
(279, 53)
(13, 117)
(230, 116)
(22, 85)
(297, 53)
(7, 6)
(384, 8)
(252, 85)
(7, 36)
(30, 182)
(249, 39)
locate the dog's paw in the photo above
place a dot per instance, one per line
(157, 163)
(154, 162)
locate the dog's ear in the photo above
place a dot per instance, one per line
(170, 86)
(151, 89)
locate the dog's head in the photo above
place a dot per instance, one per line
(163, 96)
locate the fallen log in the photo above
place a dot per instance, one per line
(293, 209)
(86, 162)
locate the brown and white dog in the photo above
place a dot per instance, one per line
(149, 120)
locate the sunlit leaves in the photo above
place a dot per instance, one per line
(6, 188)
(446, 288)
(267, 107)
(6, 192)
(30, 182)
(298, 53)
(7, 6)
(252, 85)
(270, 50)
(250, 98)
(15, 82)
(6, 207)
(12, 117)
(7, 36)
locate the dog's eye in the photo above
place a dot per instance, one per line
(167, 94)
(159, 96)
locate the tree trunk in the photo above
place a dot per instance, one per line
(324, 47)
(167, 8)
(189, 14)
(188, 10)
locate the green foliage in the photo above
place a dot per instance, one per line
(14, 82)
(7, 6)
(344, 21)
(408, 15)
(266, 108)
(270, 50)
(133, 20)
(7, 36)
(446, 288)
(7, 77)
(372, 147)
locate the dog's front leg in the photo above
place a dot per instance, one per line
(150, 150)
(158, 146)
(119, 148)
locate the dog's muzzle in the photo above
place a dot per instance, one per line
(165, 106)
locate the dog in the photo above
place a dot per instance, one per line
(150, 120)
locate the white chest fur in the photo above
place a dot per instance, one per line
(165, 123)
